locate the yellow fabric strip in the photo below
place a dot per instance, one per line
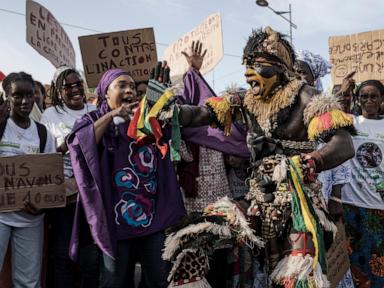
(141, 121)
(309, 221)
(155, 110)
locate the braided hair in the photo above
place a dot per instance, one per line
(57, 86)
(16, 77)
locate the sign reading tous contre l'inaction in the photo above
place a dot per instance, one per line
(131, 50)
(46, 36)
(208, 32)
(361, 52)
(35, 178)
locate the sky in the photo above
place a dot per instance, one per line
(316, 21)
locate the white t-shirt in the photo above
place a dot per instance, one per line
(366, 188)
(60, 123)
(19, 141)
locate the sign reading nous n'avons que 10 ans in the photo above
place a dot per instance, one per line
(37, 178)
(131, 50)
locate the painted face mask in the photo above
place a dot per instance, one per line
(263, 78)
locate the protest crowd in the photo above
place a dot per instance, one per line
(158, 183)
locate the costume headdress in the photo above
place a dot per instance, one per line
(270, 45)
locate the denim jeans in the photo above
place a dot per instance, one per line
(117, 273)
(62, 269)
(27, 249)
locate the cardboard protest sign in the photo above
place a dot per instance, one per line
(362, 52)
(337, 257)
(46, 36)
(131, 50)
(38, 178)
(208, 32)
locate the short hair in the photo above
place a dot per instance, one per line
(16, 77)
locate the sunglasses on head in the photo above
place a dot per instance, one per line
(78, 84)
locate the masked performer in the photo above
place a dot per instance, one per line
(284, 117)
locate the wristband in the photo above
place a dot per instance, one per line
(318, 161)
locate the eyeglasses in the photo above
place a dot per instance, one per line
(78, 85)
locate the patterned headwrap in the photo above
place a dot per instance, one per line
(106, 80)
(319, 66)
(270, 45)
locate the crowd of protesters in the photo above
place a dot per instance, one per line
(126, 195)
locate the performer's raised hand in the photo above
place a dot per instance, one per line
(195, 58)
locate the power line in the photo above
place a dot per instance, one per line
(65, 24)
(93, 30)
(232, 55)
(12, 12)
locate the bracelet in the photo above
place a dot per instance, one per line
(308, 166)
(338, 200)
(318, 160)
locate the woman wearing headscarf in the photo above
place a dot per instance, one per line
(128, 192)
(312, 67)
(363, 196)
(68, 105)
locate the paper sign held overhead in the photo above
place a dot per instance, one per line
(362, 52)
(208, 32)
(131, 50)
(36, 178)
(46, 36)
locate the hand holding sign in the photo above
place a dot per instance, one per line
(30, 208)
(195, 59)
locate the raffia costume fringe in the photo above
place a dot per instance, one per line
(324, 114)
(174, 240)
(265, 110)
(325, 223)
(223, 112)
(235, 228)
(243, 232)
(292, 269)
